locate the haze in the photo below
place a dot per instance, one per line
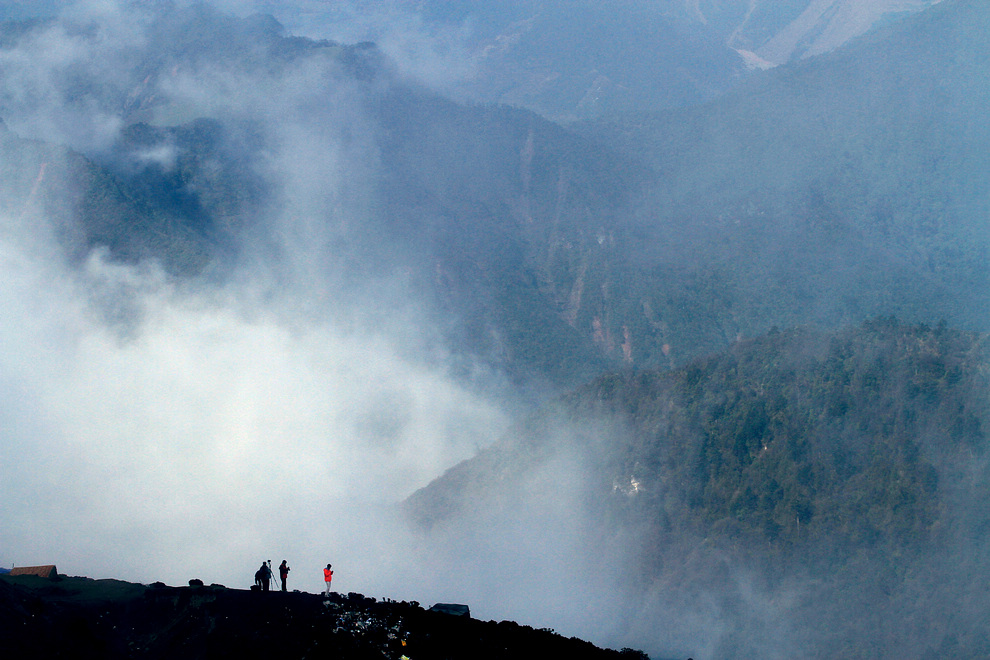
(281, 404)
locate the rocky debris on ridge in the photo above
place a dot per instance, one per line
(79, 617)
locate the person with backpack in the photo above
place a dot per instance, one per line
(263, 576)
(327, 576)
(283, 572)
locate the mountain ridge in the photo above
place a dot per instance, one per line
(77, 617)
(557, 255)
(662, 54)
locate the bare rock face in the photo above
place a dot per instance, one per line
(825, 25)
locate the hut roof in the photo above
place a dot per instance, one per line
(41, 571)
(452, 608)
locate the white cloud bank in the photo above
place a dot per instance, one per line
(163, 429)
(207, 435)
(155, 429)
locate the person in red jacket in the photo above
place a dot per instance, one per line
(283, 572)
(327, 576)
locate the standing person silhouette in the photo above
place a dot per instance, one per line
(283, 572)
(327, 576)
(264, 575)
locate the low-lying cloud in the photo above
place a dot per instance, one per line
(201, 433)
(158, 428)
(166, 428)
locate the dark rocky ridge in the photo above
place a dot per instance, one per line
(78, 617)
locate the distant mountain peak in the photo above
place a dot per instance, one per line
(825, 25)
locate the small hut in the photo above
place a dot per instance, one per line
(452, 608)
(41, 571)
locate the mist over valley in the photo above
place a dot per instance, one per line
(660, 324)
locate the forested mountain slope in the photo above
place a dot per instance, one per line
(313, 160)
(830, 191)
(842, 474)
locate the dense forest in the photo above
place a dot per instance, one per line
(840, 471)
